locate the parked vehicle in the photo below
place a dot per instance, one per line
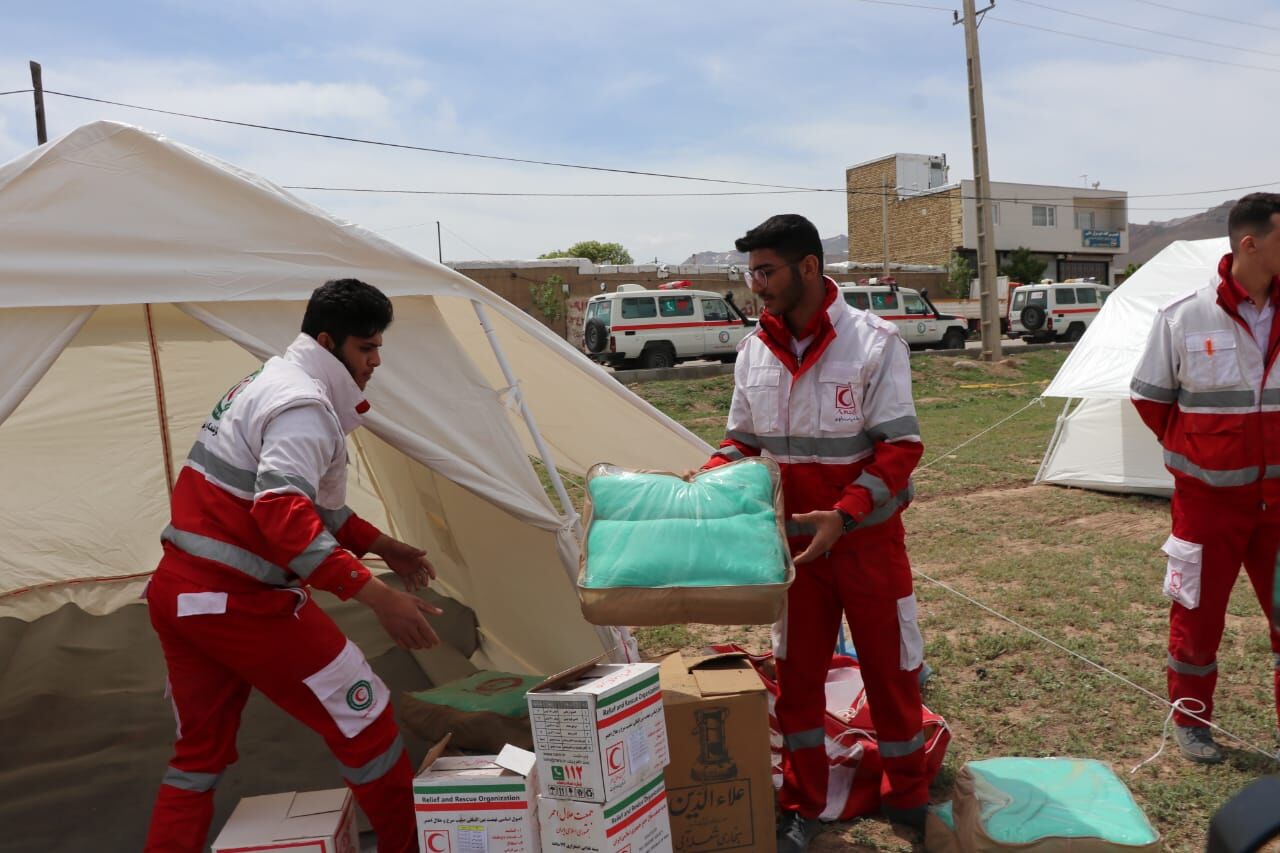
(1055, 311)
(922, 325)
(635, 327)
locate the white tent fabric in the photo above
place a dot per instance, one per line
(139, 279)
(1101, 443)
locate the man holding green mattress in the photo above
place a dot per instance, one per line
(825, 390)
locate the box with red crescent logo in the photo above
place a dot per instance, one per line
(478, 802)
(637, 823)
(598, 731)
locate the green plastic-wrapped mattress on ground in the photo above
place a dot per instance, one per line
(1043, 805)
(653, 540)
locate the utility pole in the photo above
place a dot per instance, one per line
(989, 298)
(439, 245)
(884, 220)
(37, 92)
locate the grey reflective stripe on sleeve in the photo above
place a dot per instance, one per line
(877, 516)
(1270, 396)
(221, 469)
(1273, 471)
(1153, 392)
(878, 488)
(269, 480)
(188, 781)
(377, 768)
(804, 740)
(835, 447)
(227, 554)
(334, 518)
(313, 555)
(900, 748)
(733, 454)
(1239, 399)
(1183, 668)
(1236, 477)
(903, 427)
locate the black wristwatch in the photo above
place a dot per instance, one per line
(847, 522)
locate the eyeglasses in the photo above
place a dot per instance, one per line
(760, 275)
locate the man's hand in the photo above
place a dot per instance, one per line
(402, 615)
(688, 474)
(830, 527)
(410, 563)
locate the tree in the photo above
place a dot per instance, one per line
(1023, 267)
(548, 297)
(594, 251)
(959, 275)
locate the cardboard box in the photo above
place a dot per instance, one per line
(637, 823)
(478, 803)
(311, 821)
(719, 782)
(598, 731)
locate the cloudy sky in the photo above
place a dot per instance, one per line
(751, 91)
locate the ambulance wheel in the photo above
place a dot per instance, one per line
(953, 339)
(595, 335)
(1074, 333)
(728, 359)
(661, 355)
(1033, 318)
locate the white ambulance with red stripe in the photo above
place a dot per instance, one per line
(639, 328)
(1055, 310)
(922, 325)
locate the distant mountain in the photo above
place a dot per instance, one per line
(1146, 241)
(834, 250)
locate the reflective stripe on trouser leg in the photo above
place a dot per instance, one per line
(807, 641)
(376, 767)
(387, 794)
(189, 781)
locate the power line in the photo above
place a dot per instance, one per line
(429, 150)
(543, 194)
(777, 188)
(1250, 24)
(17, 92)
(909, 5)
(1231, 47)
(1127, 46)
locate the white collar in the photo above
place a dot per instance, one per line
(323, 366)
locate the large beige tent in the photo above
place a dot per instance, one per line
(138, 280)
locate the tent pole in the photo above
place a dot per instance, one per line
(161, 410)
(553, 473)
(617, 640)
(1053, 441)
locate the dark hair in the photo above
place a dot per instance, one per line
(1252, 215)
(788, 234)
(345, 307)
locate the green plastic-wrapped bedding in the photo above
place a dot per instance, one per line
(657, 530)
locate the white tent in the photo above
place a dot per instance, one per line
(1100, 442)
(138, 280)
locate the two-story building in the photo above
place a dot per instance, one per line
(1076, 231)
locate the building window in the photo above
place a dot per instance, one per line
(1084, 219)
(1044, 216)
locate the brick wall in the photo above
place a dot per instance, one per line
(922, 229)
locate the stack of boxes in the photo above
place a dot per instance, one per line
(601, 744)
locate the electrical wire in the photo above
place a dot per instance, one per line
(1128, 46)
(17, 92)
(541, 194)
(1250, 24)
(430, 150)
(909, 5)
(1231, 47)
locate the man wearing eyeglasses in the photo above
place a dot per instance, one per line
(825, 390)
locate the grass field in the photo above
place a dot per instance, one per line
(1082, 568)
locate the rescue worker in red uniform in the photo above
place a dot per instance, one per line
(258, 519)
(1208, 388)
(825, 390)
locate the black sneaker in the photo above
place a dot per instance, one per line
(795, 832)
(912, 818)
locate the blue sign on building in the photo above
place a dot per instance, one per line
(1099, 239)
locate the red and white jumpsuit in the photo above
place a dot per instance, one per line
(840, 422)
(258, 516)
(1207, 388)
